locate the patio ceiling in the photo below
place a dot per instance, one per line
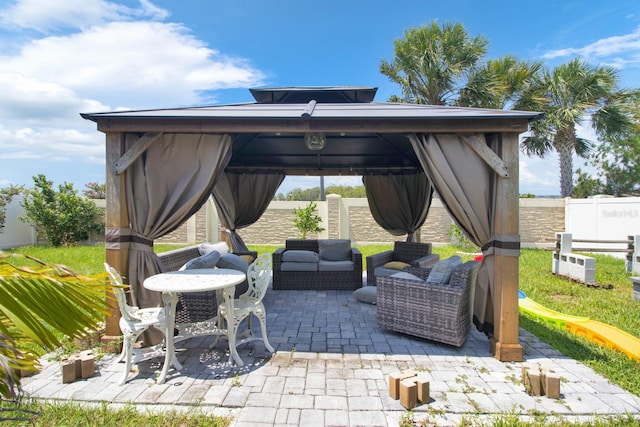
(362, 136)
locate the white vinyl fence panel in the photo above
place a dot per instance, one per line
(603, 218)
(15, 232)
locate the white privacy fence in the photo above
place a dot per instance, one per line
(15, 232)
(603, 218)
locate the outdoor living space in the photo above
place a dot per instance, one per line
(331, 367)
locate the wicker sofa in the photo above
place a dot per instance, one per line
(327, 274)
(416, 254)
(195, 306)
(437, 312)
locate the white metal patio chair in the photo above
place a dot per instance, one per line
(133, 322)
(250, 303)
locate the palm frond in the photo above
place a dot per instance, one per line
(41, 303)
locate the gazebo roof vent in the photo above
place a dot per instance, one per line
(321, 94)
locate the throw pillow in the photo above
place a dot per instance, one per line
(248, 258)
(334, 249)
(233, 262)
(221, 247)
(366, 294)
(441, 272)
(397, 265)
(205, 261)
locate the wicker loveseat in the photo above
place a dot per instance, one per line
(438, 312)
(317, 266)
(197, 306)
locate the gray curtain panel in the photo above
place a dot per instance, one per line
(399, 203)
(241, 199)
(468, 190)
(165, 186)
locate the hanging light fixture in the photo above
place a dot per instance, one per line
(315, 140)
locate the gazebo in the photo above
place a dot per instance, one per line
(163, 164)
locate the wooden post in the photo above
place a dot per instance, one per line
(116, 217)
(505, 271)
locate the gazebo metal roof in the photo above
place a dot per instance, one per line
(362, 136)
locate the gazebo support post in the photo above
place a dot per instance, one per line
(505, 341)
(116, 217)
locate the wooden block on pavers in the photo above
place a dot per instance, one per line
(532, 380)
(87, 364)
(82, 364)
(68, 371)
(551, 385)
(535, 384)
(408, 393)
(394, 382)
(525, 372)
(422, 384)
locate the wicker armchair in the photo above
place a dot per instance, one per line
(414, 253)
(437, 312)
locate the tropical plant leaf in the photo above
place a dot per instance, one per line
(41, 303)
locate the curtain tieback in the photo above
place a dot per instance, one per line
(121, 238)
(502, 244)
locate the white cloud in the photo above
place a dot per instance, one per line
(50, 143)
(91, 56)
(133, 64)
(30, 100)
(48, 15)
(617, 51)
(539, 176)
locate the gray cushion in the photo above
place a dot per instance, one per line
(441, 272)
(405, 275)
(334, 249)
(299, 256)
(233, 262)
(205, 261)
(335, 266)
(384, 272)
(366, 294)
(299, 266)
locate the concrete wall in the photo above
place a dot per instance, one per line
(540, 219)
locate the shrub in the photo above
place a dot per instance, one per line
(62, 217)
(459, 239)
(307, 220)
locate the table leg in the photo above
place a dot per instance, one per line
(170, 300)
(231, 325)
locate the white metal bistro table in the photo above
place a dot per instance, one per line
(221, 280)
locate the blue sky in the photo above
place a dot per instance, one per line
(59, 58)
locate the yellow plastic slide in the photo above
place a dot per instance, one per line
(598, 332)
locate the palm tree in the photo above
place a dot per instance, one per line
(503, 83)
(430, 62)
(572, 93)
(39, 304)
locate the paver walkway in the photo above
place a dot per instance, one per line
(330, 369)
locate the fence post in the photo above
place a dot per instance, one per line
(633, 259)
